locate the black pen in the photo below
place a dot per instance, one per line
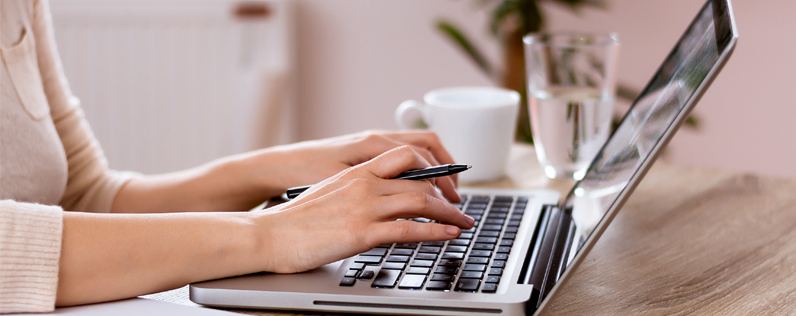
(416, 174)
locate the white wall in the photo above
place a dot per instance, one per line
(358, 59)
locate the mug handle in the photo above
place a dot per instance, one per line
(405, 106)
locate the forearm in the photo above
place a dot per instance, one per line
(229, 184)
(113, 256)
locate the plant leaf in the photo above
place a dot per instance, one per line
(502, 11)
(575, 5)
(452, 32)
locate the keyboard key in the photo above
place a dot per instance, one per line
(384, 246)
(503, 198)
(499, 218)
(506, 242)
(475, 217)
(434, 243)
(394, 265)
(459, 242)
(455, 249)
(366, 275)
(480, 253)
(402, 252)
(416, 270)
(494, 221)
(472, 275)
(386, 278)
(492, 279)
(348, 281)
(449, 262)
(480, 260)
(495, 271)
(512, 229)
(466, 236)
(412, 282)
(489, 288)
(470, 230)
(375, 252)
(509, 236)
(477, 204)
(480, 199)
(474, 212)
(443, 277)
(368, 259)
(489, 233)
(428, 249)
(467, 285)
(492, 227)
(499, 209)
(514, 223)
(502, 256)
(475, 267)
(453, 255)
(421, 220)
(407, 245)
(422, 263)
(522, 199)
(426, 256)
(438, 286)
(498, 264)
(504, 249)
(480, 246)
(487, 240)
(357, 266)
(351, 273)
(397, 259)
(446, 270)
(516, 217)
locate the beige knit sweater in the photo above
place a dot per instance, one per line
(49, 159)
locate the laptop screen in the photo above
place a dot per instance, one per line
(662, 103)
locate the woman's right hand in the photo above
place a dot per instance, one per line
(355, 211)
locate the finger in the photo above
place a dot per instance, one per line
(421, 204)
(368, 146)
(428, 140)
(393, 162)
(446, 184)
(411, 231)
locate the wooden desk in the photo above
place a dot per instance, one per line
(689, 241)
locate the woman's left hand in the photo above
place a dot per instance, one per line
(243, 181)
(275, 169)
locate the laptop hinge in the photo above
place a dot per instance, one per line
(555, 236)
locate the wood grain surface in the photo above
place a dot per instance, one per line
(690, 241)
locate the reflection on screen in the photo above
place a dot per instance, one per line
(643, 127)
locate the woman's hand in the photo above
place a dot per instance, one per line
(356, 210)
(241, 182)
(282, 167)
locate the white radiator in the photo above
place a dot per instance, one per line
(171, 84)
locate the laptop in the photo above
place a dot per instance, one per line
(526, 243)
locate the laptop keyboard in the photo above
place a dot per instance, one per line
(473, 262)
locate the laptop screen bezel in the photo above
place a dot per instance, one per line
(725, 46)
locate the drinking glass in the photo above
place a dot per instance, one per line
(571, 89)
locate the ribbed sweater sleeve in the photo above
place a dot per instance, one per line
(30, 248)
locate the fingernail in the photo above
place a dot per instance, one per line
(451, 230)
(469, 219)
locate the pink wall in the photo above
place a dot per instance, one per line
(358, 59)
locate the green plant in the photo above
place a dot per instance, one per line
(509, 21)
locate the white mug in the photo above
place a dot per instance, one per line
(475, 124)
